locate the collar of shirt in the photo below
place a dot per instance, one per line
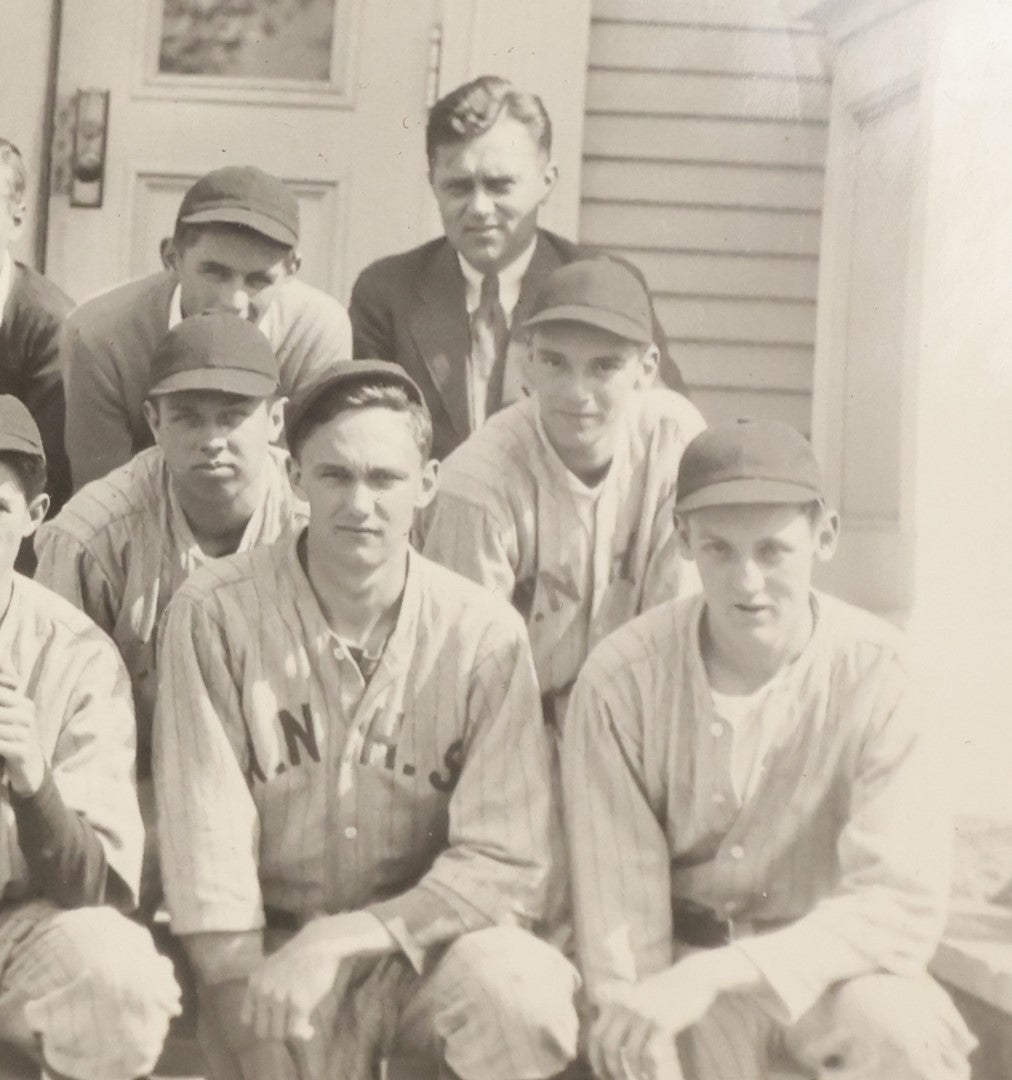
(401, 642)
(176, 307)
(6, 280)
(510, 278)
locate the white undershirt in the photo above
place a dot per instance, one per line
(743, 713)
(6, 280)
(510, 279)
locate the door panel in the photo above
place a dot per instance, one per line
(350, 142)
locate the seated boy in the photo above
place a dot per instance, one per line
(352, 781)
(561, 502)
(757, 825)
(32, 310)
(212, 485)
(82, 991)
(233, 250)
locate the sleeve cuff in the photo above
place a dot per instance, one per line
(420, 919)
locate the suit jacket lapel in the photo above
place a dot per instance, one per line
(544, 260)
(441, 330)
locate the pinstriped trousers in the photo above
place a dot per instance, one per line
(82, 992)
(875, 1027)
(497, 1005)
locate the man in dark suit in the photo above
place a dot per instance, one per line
(450, 311)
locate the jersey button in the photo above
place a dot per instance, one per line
(718, 798)
(737, 852)
(716, 729)
(351, 832)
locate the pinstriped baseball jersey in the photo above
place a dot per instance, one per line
(72, 673)
(842, 847)
(576, 561)
(122, 546)
(285, 779)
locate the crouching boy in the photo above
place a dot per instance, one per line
(759, 842)
(82, 991)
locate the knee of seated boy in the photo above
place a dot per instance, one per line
(110, 1013)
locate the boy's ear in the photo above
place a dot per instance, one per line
(295, 476)
(276, 418)
(682, 529)
(827, 535)
(37, 510)
(169, 253)
(649, 359)
(293, 261)
(430, 481)
(151, 416)
(17, 213)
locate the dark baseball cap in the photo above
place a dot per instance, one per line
(341, 375)
(18, 431)
(596, 292)
(753, 461)
(217, 351)
(243, 195)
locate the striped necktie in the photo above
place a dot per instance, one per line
(489, 334)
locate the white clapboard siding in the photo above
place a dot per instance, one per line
(680, 47)
(704, 150)
(664, 93)
(759, 14)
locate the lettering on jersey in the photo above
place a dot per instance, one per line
(255, 770)
(453, 759)
(621, 562)
(380, 747)
(296, 733)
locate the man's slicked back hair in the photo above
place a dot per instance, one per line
(471, 109)
(369, 393)
(13, 163)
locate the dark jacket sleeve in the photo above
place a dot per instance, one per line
(371, 319)
(66, 861)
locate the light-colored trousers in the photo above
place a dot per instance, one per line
(82, 992)
(875, 1027)
(497, 1005)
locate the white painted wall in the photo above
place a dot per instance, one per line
(24, 58)
(963, 484)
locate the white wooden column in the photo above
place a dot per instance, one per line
(913, 381)
(864, 386)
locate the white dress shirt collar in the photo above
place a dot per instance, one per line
(510, 278)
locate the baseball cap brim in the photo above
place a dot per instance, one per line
(739, 492)
(227, 380)
(12, 440)
(250, 219)
(611, 321)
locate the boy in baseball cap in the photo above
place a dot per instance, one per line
(82, 991)
(775, 826)
(234, 249)
(359, 727)
(560, 501)
(213, 484)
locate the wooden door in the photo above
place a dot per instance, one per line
(329, 95)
